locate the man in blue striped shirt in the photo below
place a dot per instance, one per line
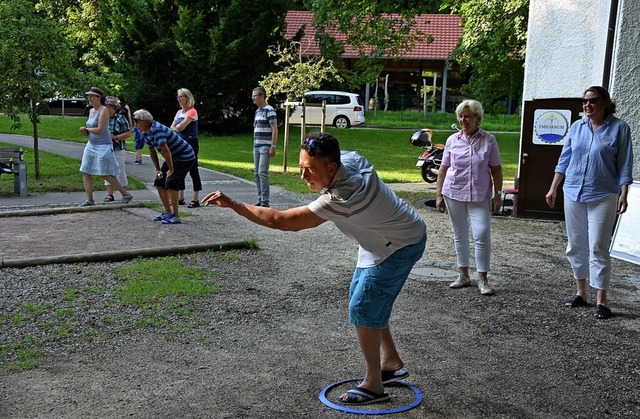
(265, 136)
(178, 159)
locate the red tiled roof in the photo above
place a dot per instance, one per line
(446, 31)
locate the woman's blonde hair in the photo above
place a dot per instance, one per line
(187, 93)
(474, 106)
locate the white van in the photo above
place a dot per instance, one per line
(344, 109)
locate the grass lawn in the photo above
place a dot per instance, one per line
(388, 149)
(57, 174)
(437, 120)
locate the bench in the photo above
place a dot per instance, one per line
(12, 160)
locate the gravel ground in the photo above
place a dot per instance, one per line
(276, 333)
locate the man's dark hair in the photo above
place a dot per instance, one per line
(319, 144)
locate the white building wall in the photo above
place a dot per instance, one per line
(625, 78)
(566, 47)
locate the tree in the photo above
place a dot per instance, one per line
(216, 49)
(492, 47)
(35, 60)
(297, 75)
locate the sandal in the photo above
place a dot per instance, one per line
(126, 198)
(392, 376)
(576, 301)
(87, 203)
(193, 204)
(602, 312)
(108, 198)
(180, 201)
(360, 396)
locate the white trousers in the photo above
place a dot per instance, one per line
(589, 231)
(479, 213)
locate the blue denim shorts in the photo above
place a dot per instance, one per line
(374, 290)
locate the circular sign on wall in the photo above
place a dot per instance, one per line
(550, 126)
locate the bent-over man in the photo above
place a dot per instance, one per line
(178, 159)
(391, 237)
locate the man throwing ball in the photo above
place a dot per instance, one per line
(391, 237)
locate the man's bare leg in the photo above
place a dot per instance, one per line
(164, 197)
(173, 197)
(370, 343)
(391, 360)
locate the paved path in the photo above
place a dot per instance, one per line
(106, 228)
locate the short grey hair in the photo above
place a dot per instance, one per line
(473, 105)
(261, 91)
(143, 115)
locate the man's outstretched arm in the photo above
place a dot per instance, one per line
(294, 219)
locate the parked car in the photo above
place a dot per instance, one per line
(344, 109)
(74, 106)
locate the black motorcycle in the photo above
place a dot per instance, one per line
(431, 159)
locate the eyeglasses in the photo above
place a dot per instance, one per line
(591, 101)
(179, 97)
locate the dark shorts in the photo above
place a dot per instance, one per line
(176, 181)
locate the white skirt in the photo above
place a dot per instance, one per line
(122, 174)
(99, 160)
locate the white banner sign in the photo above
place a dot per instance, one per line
(625, 244)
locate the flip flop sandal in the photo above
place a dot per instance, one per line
(391, 376)
(368, 397)
(602, 312)
(108, 198)
(576, 301)
(193, 204)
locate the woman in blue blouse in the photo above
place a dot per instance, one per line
(596, 165)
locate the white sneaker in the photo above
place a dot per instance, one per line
(461, 282)
(483, 285)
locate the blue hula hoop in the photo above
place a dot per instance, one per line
(323, 398)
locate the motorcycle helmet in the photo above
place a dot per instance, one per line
(421, 138)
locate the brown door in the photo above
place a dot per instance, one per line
(544, 127)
